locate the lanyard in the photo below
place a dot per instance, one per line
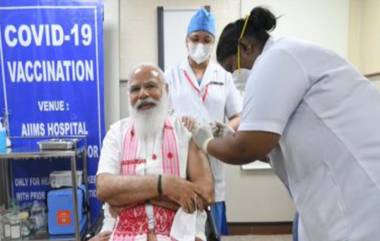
(204, 96)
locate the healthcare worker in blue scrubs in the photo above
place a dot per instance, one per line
(204, 91)
(316, 116)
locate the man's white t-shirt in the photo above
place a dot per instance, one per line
(108, 221)
(328, 116)
(217, 99)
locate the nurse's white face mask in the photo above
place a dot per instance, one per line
(240, 77)
(200, 52)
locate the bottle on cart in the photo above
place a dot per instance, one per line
(25, 226)
(6, 227)
(5, 123)
(38, 216)
(15, 224)
(3, 137)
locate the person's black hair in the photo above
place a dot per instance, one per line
(260, 22)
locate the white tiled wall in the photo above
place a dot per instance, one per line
(364, 38)
(111, 61)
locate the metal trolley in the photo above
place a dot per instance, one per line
(32, 151)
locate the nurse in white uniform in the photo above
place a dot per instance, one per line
(203, 90)
(318, 120)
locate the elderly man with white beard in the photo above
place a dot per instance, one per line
(149, 165)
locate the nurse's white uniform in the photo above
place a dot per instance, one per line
(328, 117)
(216, 98)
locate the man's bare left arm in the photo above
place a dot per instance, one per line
(199, 172)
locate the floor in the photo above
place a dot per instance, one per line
(258, 238)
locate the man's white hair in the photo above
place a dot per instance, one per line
(137, 68)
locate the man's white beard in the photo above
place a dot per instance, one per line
(148, 123)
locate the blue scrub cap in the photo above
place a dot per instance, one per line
(203, 20)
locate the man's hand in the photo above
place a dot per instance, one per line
(202, 135)
(220, 129)
(188, 122)
(201, 203)
(165, 202)
(180, 191)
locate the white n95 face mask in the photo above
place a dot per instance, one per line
(200, 52)
(240, 77)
